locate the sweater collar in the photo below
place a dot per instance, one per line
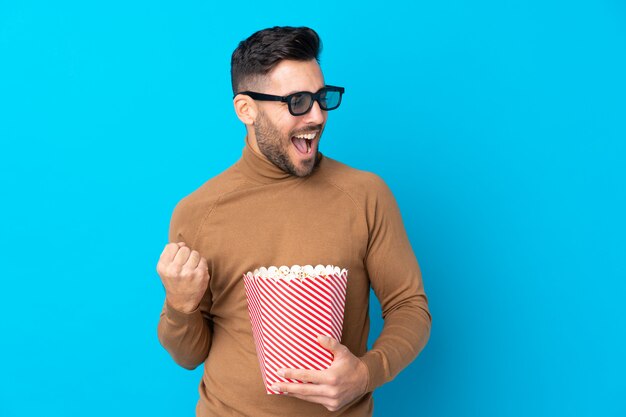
(256, 166)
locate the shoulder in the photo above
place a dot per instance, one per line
(367, 190)
(211, 190)
(360, 184)
(192, 210)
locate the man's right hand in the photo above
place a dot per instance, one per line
(185, 276)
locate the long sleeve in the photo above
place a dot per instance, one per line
(186, 336)
(397, 282)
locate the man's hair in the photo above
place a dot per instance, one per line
(257, 55)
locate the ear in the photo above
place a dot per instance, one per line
(245, 108)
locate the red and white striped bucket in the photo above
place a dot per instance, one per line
(289, 308)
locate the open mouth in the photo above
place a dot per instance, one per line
(303, 142)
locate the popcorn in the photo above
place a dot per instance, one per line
(296, 271)
(289, 308)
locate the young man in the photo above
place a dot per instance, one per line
(284, 203)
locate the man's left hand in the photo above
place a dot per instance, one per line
(345, 379)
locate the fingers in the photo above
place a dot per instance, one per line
(331, 404)
(181, 256)
(328, 397)
(192, 262)
(313, 399)
(316, 377)
(203, 265)
(299, 389)
(169, 252)
(331, 344)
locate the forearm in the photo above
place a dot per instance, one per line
(406, 331)
(186, 336)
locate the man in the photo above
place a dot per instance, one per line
(284, 203)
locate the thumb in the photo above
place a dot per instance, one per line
(329, 343)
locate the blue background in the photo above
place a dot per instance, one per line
(499, 126)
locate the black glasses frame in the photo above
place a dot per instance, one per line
(287, 99)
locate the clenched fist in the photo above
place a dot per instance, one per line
(185, 276)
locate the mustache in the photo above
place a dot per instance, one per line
(311, 129)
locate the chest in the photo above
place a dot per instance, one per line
(278, 226)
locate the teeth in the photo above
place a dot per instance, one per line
(308, 136)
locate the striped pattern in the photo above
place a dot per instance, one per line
(288, 315)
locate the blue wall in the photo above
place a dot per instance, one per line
(499, 125)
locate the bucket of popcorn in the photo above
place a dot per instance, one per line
(289, 308)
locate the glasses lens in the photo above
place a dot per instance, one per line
(300, 103)
(330, 99)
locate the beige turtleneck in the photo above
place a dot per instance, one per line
(254, 214)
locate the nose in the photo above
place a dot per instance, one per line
(316, 115)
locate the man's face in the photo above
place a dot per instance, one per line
(277, 131)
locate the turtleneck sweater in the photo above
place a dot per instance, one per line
(254, 214)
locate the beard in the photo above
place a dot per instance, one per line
(275, 147)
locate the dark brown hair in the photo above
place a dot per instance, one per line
(263, 50)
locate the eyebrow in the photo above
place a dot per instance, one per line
(300, 91)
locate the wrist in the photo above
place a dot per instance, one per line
(184, 308)
(364, 376)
